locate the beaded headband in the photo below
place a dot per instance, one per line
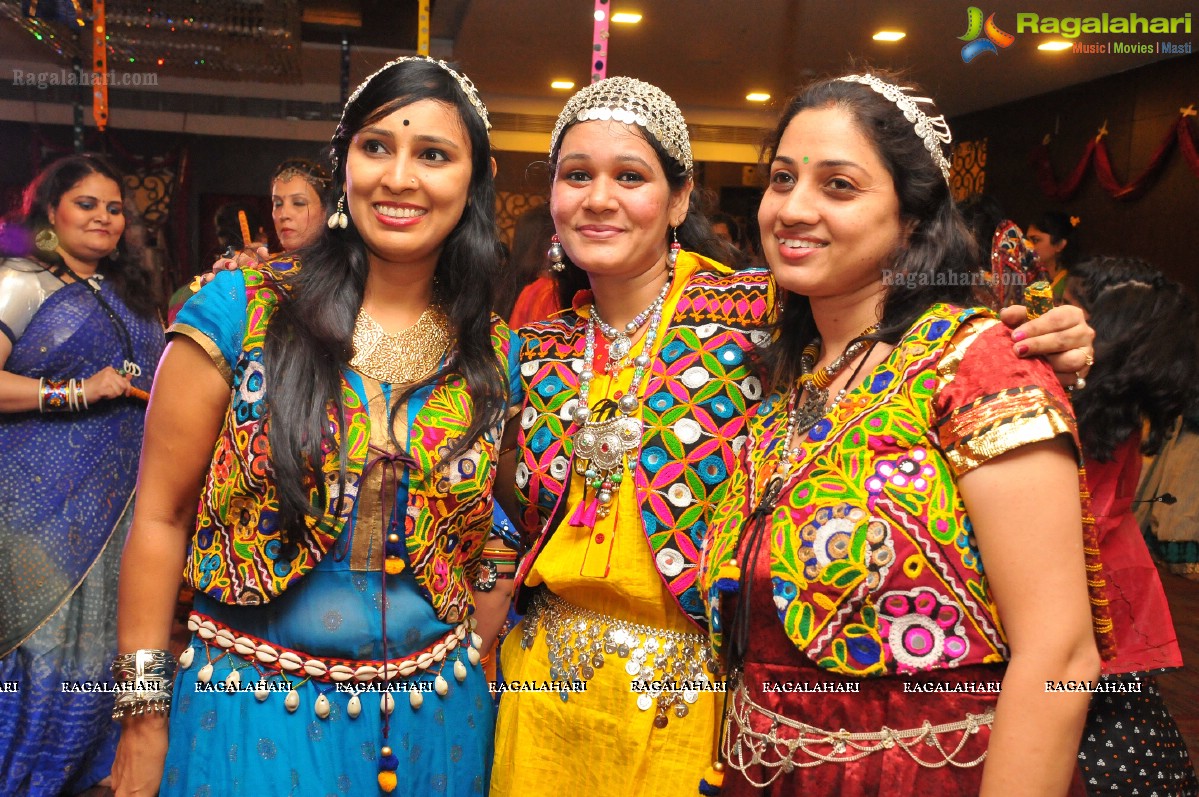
(312, 173)
(631, 101)
(468, 88)
(464, 83)
(932, 130)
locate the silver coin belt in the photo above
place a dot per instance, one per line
(580, 642)
(745, 748)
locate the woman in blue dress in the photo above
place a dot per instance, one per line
(78, 328)
(337, 425)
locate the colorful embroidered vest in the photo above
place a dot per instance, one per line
(237, 553)
(703, 381)
(873, 561)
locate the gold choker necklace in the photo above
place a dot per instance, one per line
(406, 357)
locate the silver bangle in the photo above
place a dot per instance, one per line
(134, 704)
(145, 679)
(142, 665)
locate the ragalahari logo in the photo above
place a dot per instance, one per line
(992, 38)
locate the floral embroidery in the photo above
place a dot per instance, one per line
(874, 568)
(237, 554)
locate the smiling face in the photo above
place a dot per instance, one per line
(407, 181)
(611, 201)
(830, 217)
(296, 211)
(88, 220)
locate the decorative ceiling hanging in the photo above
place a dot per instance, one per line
(599, 42)
(422, 28)
(99, 64)
(223, 39)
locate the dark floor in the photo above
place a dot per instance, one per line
(1181, 688)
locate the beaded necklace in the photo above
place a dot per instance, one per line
(620, 342)
(814, 386)
(608, 435)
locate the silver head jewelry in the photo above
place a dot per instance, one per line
(633, 102)
(932, 130)
(464, 83)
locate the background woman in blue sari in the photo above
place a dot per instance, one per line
(80, 333)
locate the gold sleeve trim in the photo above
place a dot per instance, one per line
(947, 366)
(207, 344)
(1001, 422)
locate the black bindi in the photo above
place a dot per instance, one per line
(405, 123)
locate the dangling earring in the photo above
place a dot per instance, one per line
(338, 218)
(46, 240)
(556, 254)
(673, 255)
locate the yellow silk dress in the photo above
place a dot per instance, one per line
(598, 742)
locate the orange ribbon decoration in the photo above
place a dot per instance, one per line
(99, 65)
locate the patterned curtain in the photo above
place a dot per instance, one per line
(969, 172)
(509, 206)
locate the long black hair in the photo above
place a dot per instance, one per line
(1146, 354)
(309, 339)
(695, 233)
(131, 282)
(935, 263)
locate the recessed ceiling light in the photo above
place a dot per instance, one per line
(757, 96)
(889, 35)
(1054, 46)
(562, 84)
(628, 18)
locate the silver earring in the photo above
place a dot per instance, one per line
(556, 254)
(338, 218)
(675, 247)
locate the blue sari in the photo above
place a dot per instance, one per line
(66, 495)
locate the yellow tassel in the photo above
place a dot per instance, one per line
(394, 565)
(730, 570)
(387, 781)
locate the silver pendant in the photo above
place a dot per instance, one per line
(619, 349)
(603, 446)
(811, 411)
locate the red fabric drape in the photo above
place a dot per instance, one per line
(1096, 151)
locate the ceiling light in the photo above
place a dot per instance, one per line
(562, 84)
(626, 17)
(757, 96)
(1054, 46)
(889, 35)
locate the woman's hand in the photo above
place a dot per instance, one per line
(240, 260)
(1062, 336)
(141, 755)
(107, 383)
